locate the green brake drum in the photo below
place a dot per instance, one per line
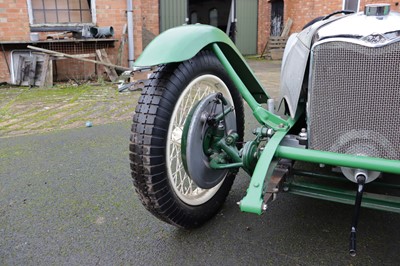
(195, 161)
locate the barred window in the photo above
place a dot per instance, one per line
(60, 11)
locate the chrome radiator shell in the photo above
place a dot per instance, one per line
(354, 98)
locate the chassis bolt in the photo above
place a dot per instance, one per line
(229, 140)
(270, 132)
(264, 206)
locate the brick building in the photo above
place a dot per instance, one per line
(20, 18)
(49, 18)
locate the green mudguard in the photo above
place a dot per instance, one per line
(182, 43)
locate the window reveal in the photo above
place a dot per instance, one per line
(61, 11)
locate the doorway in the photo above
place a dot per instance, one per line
(276, 17)
(211, 12)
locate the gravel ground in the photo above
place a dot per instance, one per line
(26, 110)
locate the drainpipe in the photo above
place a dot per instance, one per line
(131, 47)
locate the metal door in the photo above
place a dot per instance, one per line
(246, 15)
(172, 13)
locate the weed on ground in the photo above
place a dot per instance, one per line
(26, 110)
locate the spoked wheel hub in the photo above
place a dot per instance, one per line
(201, 132)
(168, 114)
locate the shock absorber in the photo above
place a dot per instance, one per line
(361, 178)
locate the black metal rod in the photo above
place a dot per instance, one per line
(357, 206)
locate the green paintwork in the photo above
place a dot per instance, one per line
(253, 200)
(341, 178)
(182, 43)
(338, 159)
(262, 115)
(373, 201)
(250, 149)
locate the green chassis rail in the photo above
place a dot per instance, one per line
(254, 200)
(184, 42)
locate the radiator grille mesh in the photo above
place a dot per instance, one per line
(354, 99)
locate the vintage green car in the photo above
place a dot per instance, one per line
(340, 111)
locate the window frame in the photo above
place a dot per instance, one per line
(70, 25)
(344, 5)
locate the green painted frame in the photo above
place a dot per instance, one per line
(182, 43)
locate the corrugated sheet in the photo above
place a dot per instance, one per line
(172, 13)
(246, 14)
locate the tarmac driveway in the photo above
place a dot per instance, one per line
(66, 198)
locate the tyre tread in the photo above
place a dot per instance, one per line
(147, 144)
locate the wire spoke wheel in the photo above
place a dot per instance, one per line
(182, 183)
(158, 172)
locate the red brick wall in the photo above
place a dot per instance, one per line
(303, 11)
(14, 25)
(147, 23)
(264, 24)
(14, 21)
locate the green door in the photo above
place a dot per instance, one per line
(246, 26)
(172, 13)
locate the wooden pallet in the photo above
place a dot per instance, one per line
(276, 44)
(33, 69)
(274, 48)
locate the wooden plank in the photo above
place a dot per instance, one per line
(286, 29)
(20, 70)
(76, 56)
(103, 57)
(84, 55)
(45, 69)
(278, 42)
(49, 75)
(121, 45)
(277, 38)
(32, 71)
(59, 54)
(274, 43)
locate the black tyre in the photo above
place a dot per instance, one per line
(160, 180)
